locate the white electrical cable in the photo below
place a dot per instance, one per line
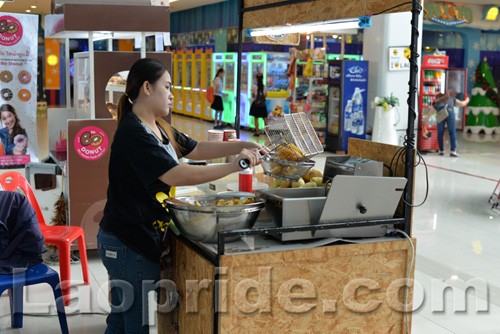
(409, 275)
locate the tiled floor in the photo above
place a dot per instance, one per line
(457, 240)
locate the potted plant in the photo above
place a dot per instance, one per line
(384, 124)
(387, 102)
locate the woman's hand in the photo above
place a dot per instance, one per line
(19, 150)
(251, 155)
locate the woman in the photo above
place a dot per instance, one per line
(443, 101)
(217, 105)
(13, 137)
(143, 163)
(258, 108)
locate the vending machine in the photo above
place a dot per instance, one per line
(347, 102)
(245, 98)
(177, 88)
(206, 82)
(436, 77)
(228, 62)
(187, 75)
(257, 64)
(197, 96)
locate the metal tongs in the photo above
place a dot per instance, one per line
(244, 163)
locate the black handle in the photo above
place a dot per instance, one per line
(244, 163)
(362, 209)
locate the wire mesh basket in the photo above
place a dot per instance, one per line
(285, 170)
(294, 137)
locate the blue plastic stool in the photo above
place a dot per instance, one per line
(34, 275)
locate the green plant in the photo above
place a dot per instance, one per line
(388, 102)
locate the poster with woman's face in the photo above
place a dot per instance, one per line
(18, 69)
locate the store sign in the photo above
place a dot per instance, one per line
(279, 39)
(435, 61)
(447, 14)
(18, 82)
(398, 59)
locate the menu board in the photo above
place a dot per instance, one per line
(18, 80)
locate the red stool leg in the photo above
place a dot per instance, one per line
(65, 266)
(83, 258)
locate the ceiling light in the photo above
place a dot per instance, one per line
(33, 6)
(309, 27)
(1, 3)
(28, 11)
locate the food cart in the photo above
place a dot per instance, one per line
(269, 287)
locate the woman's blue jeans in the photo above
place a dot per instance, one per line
(131, 276)
(450, 121)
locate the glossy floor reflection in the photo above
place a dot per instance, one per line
(457, 240)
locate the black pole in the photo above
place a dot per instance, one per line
(238, 68)
(410, 131)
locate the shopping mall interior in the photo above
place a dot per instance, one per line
(455, 221)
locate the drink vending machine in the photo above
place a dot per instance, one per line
(436, 77)
(347, 102)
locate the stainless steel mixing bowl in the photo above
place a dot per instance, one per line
(203, 223)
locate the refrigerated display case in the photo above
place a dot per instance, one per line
(178, 65)
(196, 94)
(435, 78)
(347, 102)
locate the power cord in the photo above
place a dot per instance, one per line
(400, 156)
(394, 7)
(409, 275)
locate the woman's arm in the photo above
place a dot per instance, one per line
(187, 175)
(462, 103)
(431, 112)
(213, 150)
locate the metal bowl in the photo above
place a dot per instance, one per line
(203, 223)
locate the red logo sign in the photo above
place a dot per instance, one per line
(11, 30)
(91, 143)
(435, 61)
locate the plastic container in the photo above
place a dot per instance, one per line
(229, 134)
(245, 180)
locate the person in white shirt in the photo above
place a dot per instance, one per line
(217, 105)
(258, 108)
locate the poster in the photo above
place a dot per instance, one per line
(399, 59)
(18, 80)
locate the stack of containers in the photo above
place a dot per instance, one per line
(216, 135)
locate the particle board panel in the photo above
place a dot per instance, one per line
(195, 315)
(335, 289)
(314, 11)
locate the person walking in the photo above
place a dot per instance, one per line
(448, 102)
(217, 105)
(258, 108)
(144, 164)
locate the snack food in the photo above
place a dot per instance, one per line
(234, 201)
(3, 26)
(24, 95)
(85, 138)
(12, 28)
(6, 94)
(289, 152)
(6, 76)
(21, 140)
(24, 77)
(96, 140)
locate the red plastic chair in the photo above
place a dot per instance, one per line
(60, 236)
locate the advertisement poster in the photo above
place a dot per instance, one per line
(18, 80)
(399, 59)
(355, 104)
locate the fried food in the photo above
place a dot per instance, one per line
(289, 152)
(234, 201)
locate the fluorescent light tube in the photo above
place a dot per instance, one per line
(320, 26)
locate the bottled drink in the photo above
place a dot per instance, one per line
(357, 109)
(348, 117)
